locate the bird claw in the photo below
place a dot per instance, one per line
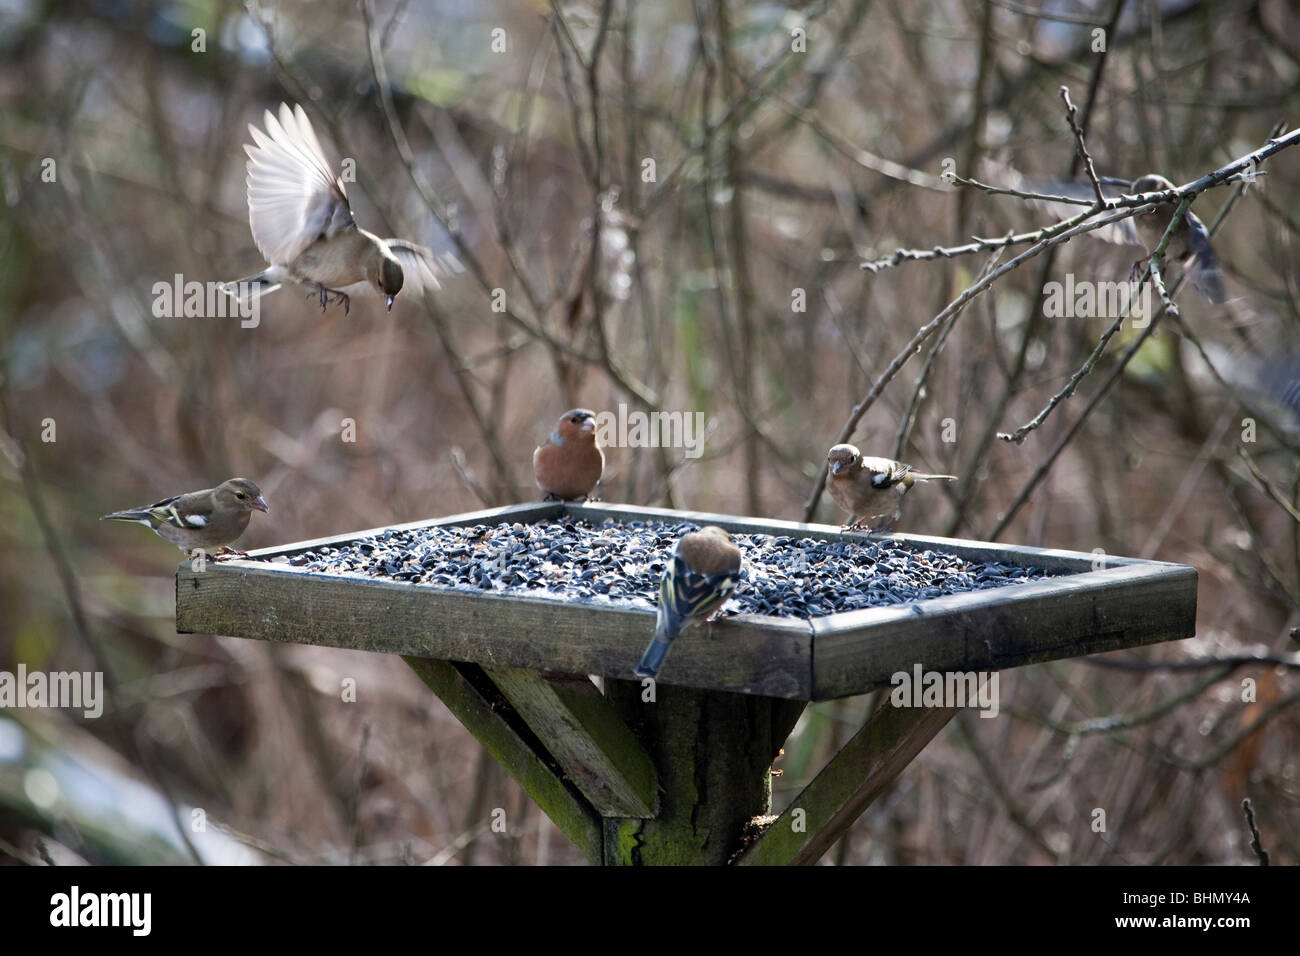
(323, 295)
(227, 552)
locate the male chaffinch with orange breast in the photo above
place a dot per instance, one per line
(701, 574)
(201, 520)
(568, 465)
(860, 485)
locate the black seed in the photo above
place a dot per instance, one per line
(622, 563)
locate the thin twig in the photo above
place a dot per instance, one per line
(1256, 847)
(1081, 147)
(1054, 235)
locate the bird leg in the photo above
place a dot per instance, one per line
(323, 295)
(885, 523)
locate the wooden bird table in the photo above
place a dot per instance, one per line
(682, 775)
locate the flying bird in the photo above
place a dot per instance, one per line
(701, 574)
(298, 210)
(569, 464)
(209, 520)
(1189, 245)
(861, 485)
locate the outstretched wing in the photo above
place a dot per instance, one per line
(293, 196)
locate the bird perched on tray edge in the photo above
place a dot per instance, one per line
(569, 464)
(298, 210)
(702, 572)
(859, 484)
(203, 520)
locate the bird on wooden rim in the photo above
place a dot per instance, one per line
(302, 223)
(861, 485)
(213, 518)
(702, 572)
(569, 464)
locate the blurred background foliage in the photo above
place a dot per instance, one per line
(776, 169)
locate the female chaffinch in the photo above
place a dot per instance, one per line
(701, 574)
(302, 223)
(1190, 240)
(859, 485)
(201, 520)
(568, 465)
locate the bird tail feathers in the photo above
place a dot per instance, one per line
(141, 515)
(254, 286)
(1205, 276)
(652, 661)
(667, 627)
(919, 477)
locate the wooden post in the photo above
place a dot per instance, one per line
(714, 752)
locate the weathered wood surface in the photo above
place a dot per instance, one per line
(279, 603)
(472, 698)
(889, 741)
(714, 752)
(1126, 604)
(587, 737)
(1064, 617)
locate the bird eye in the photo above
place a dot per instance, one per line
(240, 495)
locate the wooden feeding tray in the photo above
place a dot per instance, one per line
(1090, 604)
(680, 771)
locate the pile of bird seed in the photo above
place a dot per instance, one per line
(621, 562)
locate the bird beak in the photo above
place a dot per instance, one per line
(390, 303)
(836, 466)
(260, 504)
(588, 425)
